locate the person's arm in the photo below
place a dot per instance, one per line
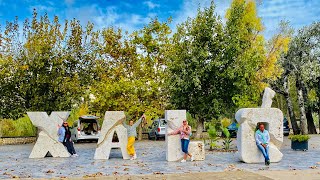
(136, 124)
(188, 131)
(257, 138)
(175, 132)
(268, 138)
(60, 131)
(124, 124)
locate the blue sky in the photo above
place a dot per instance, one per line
(133, 14)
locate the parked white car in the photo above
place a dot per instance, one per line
(157, 129)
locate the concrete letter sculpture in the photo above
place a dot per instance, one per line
(267, 98)
(112, 123)
(174, 120)
(248, 118)
(48, 136)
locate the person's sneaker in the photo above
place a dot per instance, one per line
(134, 156)
(73, 155)
(76, 155)
(191, 159)
(268, 162)
(183, 161)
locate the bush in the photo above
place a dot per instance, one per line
(225, 122)
(17, 128)
(212, 132)
(299, 137)
(191, 121)
(227, 140)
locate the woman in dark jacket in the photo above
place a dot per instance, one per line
(64, 134)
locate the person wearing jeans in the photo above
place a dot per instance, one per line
(262, 140)
(185, 132)
(64, 134)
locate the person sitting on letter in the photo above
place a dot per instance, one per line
(132, 133)
(262, 141)
(64, 134)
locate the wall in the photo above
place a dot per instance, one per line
(17, 140)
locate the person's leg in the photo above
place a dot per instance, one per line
(183, 150)
(130, 147)
(133, 149)
(263, 150)
(72, 148)
(182, 144)
(187, 150)
(267, 155)
(186, 146)
(67, 145)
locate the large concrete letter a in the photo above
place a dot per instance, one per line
(111, 124)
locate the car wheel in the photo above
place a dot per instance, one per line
(149, 137)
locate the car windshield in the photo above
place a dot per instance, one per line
(163, 122)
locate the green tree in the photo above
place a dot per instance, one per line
(51, 65)
(217, 68)
(195, 66)
(303, 62)
(134, 73)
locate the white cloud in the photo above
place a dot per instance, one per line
(110, 16)
(69, 2)
(101, 17)
(299, 13)
(151, 5)
(42, 8)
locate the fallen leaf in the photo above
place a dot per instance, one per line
(5, 173)
(126, 169)
(49, 171)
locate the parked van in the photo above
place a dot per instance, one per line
(86, 128)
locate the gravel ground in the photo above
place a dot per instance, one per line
(14, 162)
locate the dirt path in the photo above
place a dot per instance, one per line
(292, 174)
(236, 175)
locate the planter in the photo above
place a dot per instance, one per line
(296, 145)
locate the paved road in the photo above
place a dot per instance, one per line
(14, 162)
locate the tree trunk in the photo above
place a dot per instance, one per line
(140, 132)
(311, 126)
(293, 120)
(318, 94)
(303, 119)
(199, 128)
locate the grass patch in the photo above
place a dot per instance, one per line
(17, 128)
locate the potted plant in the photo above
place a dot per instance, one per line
(299, 142)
